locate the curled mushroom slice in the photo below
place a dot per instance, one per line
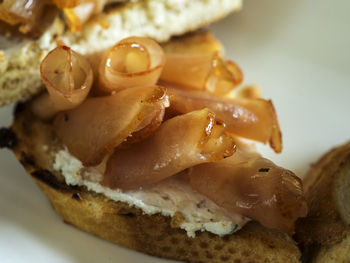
(68, 78)
(147, 127)
(202, 71)
(132, 62)
(250, 118)
(98, 125)
(181, 142)
(250, 185)
(193, 62)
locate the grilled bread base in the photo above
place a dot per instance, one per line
(325, 233)
(34, 144)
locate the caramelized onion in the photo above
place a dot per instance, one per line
(223, 77)
(77, 12)
(68, 78)
(250, 185)
(181, 142)
(199, 42)
(193, 62)
(26, 13)
(187, 70)
(100, 124)
(14, 12)
(69, 3)
(250, 118)
(78, 15)
(134, 61)
(205, 72)
(99, 4)
(147, 127)
(249, 92)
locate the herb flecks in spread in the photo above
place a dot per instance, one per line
(173, 197)
(121, 123)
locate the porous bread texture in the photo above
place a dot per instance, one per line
(325, 233)
(19, 68)
(19, 76)
(157, 19)
(127, 226)
(339, 253)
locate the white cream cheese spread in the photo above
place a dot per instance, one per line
(167, 197)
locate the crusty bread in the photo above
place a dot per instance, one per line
(157, 19)
(34, 141)
(325, 233)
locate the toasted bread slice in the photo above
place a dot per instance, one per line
(34, 143)
(19, 60)
(325, 233)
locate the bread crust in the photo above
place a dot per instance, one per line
(128, 226)
(325, 233)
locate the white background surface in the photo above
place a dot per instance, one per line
(297, 50)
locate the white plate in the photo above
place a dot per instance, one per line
(297, 50)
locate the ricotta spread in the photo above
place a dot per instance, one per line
(168, 197)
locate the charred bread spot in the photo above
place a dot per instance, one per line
(129, 215)
(76, 196)
(48, 178)
(19, 108)
(8, 138)
(27, 160)
(26, 127)
(264, 170)
(309, 252)
(112, 6)
(66, 118)
(127, 212)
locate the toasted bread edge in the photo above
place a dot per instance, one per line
(324, 235)
(128, 226)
